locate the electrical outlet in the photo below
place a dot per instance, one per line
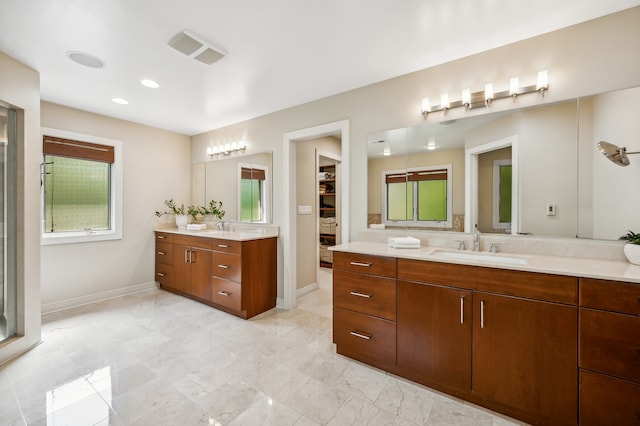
(551, 209)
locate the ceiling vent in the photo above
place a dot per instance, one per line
(195, 47)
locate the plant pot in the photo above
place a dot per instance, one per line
(182, 220)
(632, 251)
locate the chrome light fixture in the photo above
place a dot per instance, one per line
(226, 149)
(487, 96)
(614, 153)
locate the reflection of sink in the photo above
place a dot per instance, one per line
(471, 256)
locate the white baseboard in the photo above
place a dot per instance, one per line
(50, 308)
(306, 290)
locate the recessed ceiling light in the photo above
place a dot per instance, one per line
(149, 83)
(85, 59)
(120, 101)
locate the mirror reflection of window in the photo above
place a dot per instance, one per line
(418, 197)
(252, 193)
(502, 194)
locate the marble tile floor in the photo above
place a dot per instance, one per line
(155, 358)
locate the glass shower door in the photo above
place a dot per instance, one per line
(8, 318)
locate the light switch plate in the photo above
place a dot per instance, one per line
(551, 209)
(304, 209)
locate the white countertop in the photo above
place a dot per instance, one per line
(237, 235)
(558, 265)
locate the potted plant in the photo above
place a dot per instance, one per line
(213, 209)
(632, 248)
(181, 212)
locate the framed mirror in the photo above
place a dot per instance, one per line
(243, 184)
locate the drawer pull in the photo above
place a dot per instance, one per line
(223, 245)
(361, 335)
(366, 296)
(224, 293)
(360, 264)
(161, 237)
(223, 266)
(161, 253)
(160, 274)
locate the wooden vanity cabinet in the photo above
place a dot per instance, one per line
(609, 352)
(239, 277)
(364, 308)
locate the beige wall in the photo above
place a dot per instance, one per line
(593, 57)
(20, 88)
(307, 194)
(156, 168)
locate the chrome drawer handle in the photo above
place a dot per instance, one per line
(366, 296)
(360, 264)
(224, 293)
(161, 253)
(361, 335)
(223, 266)
(223, 245)
(161, 237)
(160, 274)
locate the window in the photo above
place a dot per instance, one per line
(81, 188)
(253, 184)
(502, 194)
(418, 197)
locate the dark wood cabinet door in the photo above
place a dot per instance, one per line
(524, 356)
(200, 273)
(181, 268)
(434, 334)
(608, 401)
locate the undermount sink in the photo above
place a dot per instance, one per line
(472, 256)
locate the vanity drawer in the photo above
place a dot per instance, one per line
(610, 343)
(164, 274)
(164, 237)
(164, 253)
(365, 264)
(610, 295)
(226, 293)
(227, 266)
(195, 242)
(226, 246)
(363, 337)
(365, 294)
(608, 401)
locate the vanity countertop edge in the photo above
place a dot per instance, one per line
(557, 265)
(248, 235)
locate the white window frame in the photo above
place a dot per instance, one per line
(264, 191)
(116, 225)
(419, 223)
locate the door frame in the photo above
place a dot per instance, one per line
(290, 200)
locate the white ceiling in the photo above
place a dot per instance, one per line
(281, 53)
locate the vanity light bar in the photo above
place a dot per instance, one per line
(226, 149)
(484, 98)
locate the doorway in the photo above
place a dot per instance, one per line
(339, 129)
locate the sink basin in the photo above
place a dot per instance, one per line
(471, 256)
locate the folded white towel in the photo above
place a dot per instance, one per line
(196, 226)
(404, 242)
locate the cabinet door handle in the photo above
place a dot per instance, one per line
(160, 274)
(360, 264)
(192, 256)
(361, 335)
(365, 295)
(482, 314)
(224, 293)
(462, 310)
(161, 253)
(223, 266)
(186, 256)
(223, 245)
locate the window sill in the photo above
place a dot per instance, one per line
(79, 237)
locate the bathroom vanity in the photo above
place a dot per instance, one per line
(543, 340)
(231, 271)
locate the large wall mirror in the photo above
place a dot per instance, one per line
(242, 184)
(529, 171)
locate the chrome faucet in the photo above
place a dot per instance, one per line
(476, 239)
